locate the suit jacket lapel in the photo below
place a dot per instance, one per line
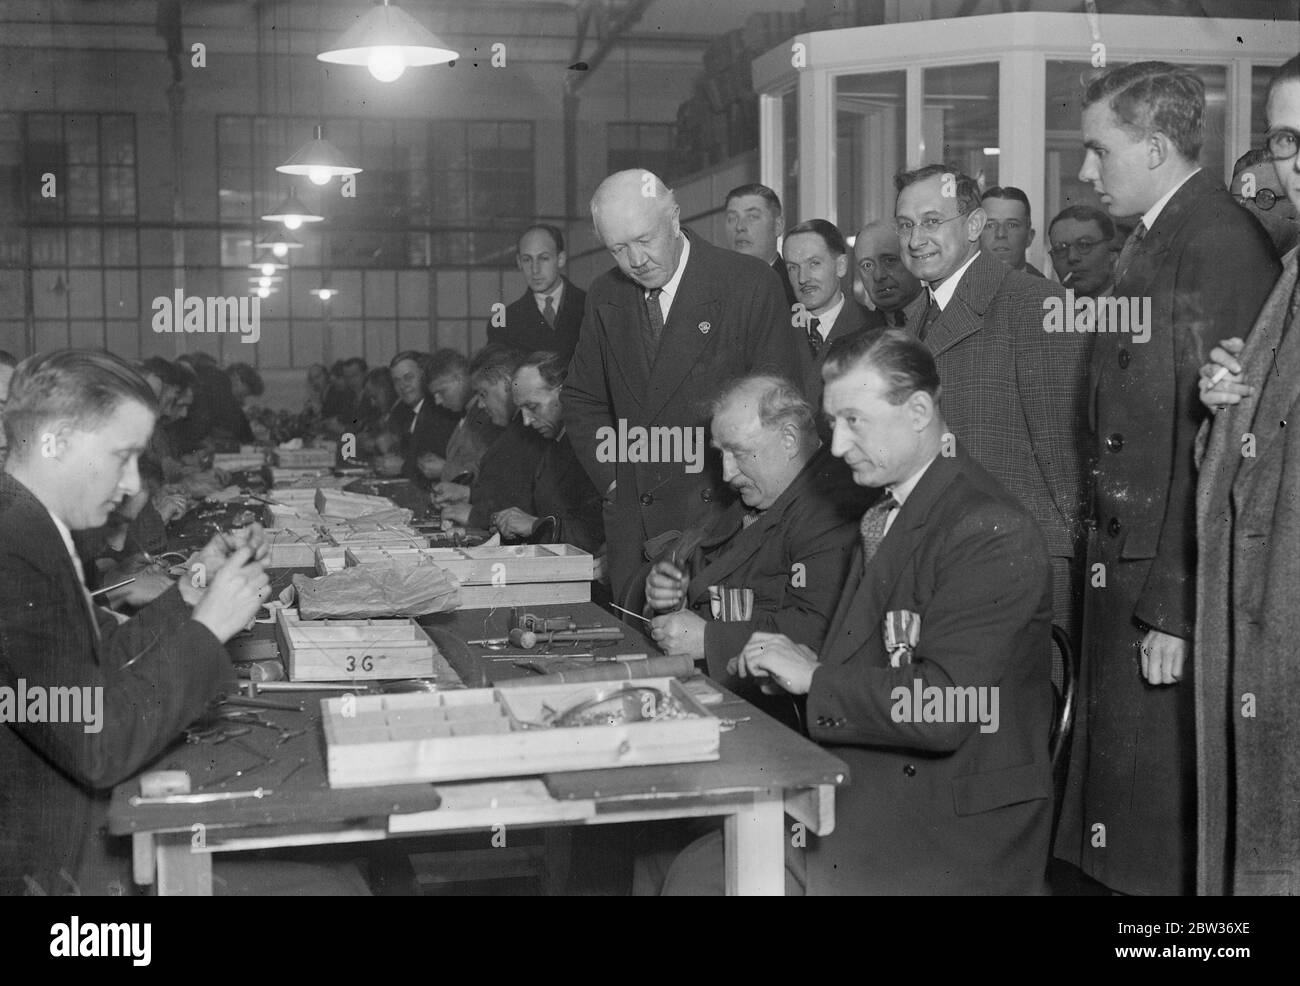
(964, 314)
(624, 348)
(850, 319)
(684, 341)
(1273, 365)
(868, 599)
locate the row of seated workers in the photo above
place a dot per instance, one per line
(865, 518)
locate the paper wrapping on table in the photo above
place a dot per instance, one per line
(379, 589)
(646, 667)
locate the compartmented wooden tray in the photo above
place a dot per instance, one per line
(306, 458)
(486, 732)
(361, 650)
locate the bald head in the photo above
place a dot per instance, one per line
(637, 218)
(878, 256)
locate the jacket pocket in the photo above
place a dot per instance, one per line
(975, 793)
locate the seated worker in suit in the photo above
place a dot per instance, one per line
(77, 422)
(549, 313)
(784, 543)
(563, 506)
(933, 681)
(423, 426)
(506, 471)
(449, 386)
(817, 258)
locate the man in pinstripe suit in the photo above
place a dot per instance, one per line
(1013, 393)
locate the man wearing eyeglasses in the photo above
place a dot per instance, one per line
(1009, 228)
(1248, 576)
(1201, 269)
(1013, 392)
(1080, 238)
(1257, 190)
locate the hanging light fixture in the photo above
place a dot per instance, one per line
(278, 243)
(325, 294)
(268, 267)
(318, 160)
(387, 40)
(292, 212)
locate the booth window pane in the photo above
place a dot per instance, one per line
(870, 134)
(1066, 82)
(960, 119)
(790, 156)
(1260, 74)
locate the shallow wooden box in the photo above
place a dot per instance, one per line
(306, 458)
(478, 733)
(353, 650)
(517, 575)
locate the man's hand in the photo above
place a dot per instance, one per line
(1228, 389)
(513, 522)
(665, 586)
(430, 465)
(1162, 658)
(445, 493)
(456, 513)
(233, 596)
(171, 505)
(679, 634)
(149, 584)
(776, 656)
(388, 464)
(213, 555)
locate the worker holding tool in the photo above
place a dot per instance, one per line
(775, 559)
(76, 423)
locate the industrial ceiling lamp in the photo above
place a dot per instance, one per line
(279, 244)
(268, 267)
(318, 160)
(292, 212)
(387, 40)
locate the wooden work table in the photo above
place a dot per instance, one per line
(765, 771)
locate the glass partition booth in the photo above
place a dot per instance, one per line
(998, 96)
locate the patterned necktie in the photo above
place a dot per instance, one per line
(1130, 248)
(548, 312)
(872, 528)
(815, 341)
(932, 313)
(656, 317)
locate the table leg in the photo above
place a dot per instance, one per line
(754, 837)
(182, 870)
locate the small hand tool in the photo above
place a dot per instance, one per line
(135, 801)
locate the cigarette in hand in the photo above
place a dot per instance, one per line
(1223, 372)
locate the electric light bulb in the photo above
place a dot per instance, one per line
(280, 249)
(263, 282)
(268, 270)
(387, 64)
(292, 222)
(320, 175)
(264, 292)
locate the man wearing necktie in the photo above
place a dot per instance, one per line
(817, 258)
(941, 806)
(893, 289)
(1204, 267)
(548, 314)
(1013, 392)
(663, 330)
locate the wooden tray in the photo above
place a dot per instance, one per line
(306, 458)
(477, 733)
(353, 650)
(498, 566)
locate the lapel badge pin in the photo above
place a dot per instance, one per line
(902, 632)
(704, 327)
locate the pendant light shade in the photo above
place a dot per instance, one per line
(279, 244)
(292, 213)
(387, 40)
(318, 160)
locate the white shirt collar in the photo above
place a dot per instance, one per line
(1151, 215)
(66, 534)
(944, 292)
(554, 294)
(827, 318)
(901, 491)
(669, 290)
